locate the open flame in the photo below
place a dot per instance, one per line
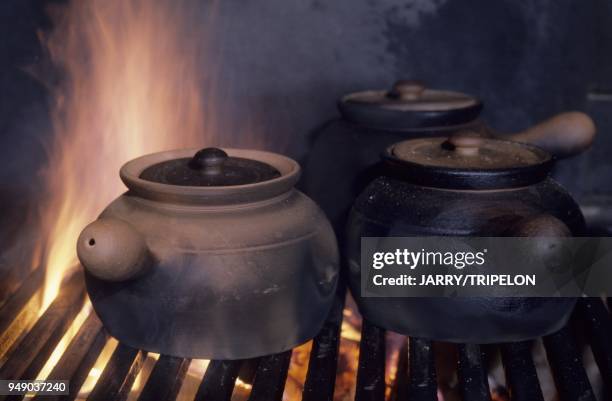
(138, 76)
(133, 84)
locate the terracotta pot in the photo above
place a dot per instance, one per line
(463, 186)
(211, 256)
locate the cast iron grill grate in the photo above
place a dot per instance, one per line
(26, 347)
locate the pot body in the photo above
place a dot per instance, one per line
(393, 207)
(345, 157)
(225, 282)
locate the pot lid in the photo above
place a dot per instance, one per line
(210, 167)
(469, 161)
(409, 105)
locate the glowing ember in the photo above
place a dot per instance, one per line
(296, 377)
(96, 370)
(133, 85)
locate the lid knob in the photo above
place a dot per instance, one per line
(208, 160)
(465, 143)
(406, 90)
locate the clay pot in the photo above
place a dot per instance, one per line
(211, 256)
(463, 186)
(344, 154)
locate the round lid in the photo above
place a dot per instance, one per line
(210, 177)
(409, 105)
(469, 161)
(210, 167)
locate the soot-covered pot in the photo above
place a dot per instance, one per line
(463, 186)
(373, 120)
(211, 256)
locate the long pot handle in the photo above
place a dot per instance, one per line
(564, 135)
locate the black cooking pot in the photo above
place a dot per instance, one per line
(373, 120)
(463, 186)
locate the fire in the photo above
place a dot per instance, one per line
(133, 84)
(138, 76)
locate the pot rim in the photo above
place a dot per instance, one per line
(213, 195)
(470, 178)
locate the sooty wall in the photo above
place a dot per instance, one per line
(289, 60)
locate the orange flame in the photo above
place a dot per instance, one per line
(135, 82)
(133, 85)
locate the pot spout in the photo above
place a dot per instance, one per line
(113, 250)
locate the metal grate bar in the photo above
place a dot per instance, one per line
(219, 380)
(371, 371)
(14, 313)
(472, 374)
(30, 355)
(165, 380)
(322, 365)
(323, 362)
(521, 375)
(422, 383)
(118, 375)
(567, 368)
(598, 328)
(79, 357)
(270, 377)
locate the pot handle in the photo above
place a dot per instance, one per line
(112, 250)
(564, 135)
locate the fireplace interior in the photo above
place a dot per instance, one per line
(278, 67)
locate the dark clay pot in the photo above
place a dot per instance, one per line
(463, 187)
(372, 121)
(215, 256)
(345, 154)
